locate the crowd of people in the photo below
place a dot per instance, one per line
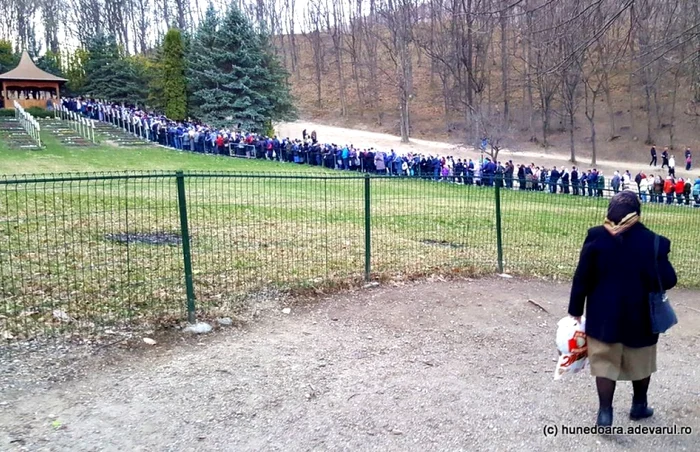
(195, 136)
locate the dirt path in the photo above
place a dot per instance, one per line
(364, 139)
(461, 365)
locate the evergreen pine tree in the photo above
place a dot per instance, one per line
(172, 74)
(243, 82)
(8, 58)
(200, 62)
(278, 85)
(75, 70)
(51, 63)
(110, 76)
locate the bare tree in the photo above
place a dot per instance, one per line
(647, 22)
(353, 45)
(529, 64)
(398, 16)
(546, 56)
(181, 7)
(503, 22)
(290, 10)
(142, 24)
(370, 48)
(334, 17)
(314, 25)
(571, 72)
(52, 16)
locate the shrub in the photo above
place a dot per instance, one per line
(39, 112)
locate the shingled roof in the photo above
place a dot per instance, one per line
(27, 70)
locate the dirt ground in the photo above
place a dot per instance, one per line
(434, 365)
(364, 139)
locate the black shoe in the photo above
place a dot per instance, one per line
(640, 411)
(605, 417)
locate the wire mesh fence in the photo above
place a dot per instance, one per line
(83, 254)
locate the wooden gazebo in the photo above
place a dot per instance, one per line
(29, 85)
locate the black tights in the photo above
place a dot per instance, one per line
(640, 388)
(606, 391)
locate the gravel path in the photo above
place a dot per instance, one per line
(436, 365)
(524, 153)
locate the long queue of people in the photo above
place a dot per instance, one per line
(194, 136)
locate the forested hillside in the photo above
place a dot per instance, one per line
(605, 77)
(578, 76)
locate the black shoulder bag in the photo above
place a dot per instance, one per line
(662, 315)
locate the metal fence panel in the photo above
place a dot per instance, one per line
(81, 254)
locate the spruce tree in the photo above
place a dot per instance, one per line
(110, 76)
(241, 82)
(51, 63)
(172, 74)
(200, 62)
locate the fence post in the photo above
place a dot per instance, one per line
(368, 232)
(499, 235)
(186, 255)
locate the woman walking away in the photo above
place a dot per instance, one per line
(621, 345)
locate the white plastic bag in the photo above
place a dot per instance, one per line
(572, 346)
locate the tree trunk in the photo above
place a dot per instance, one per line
(318, 66)
(545, 126)
(338, 47)
(504, 67)
(594, 151)
(657, 108)
(647, 103)
(405, 122)
(674, 93)
(590, 115)
(630, 78)
(608, 101)
(469, 75)
(445, 98)
(433, 23)
(528, 75)
(571, 138)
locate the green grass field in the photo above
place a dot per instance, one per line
(62, 247)
(60, 159)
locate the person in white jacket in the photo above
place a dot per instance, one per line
(643, 189)
(626, 181)
(672, 166)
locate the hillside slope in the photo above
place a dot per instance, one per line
(431, 119)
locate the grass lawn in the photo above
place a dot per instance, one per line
(63, 243)
(56, 158)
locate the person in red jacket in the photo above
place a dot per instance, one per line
(680, 189)
(220, 144)
(669, 189)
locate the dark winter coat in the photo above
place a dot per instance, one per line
(616, 296)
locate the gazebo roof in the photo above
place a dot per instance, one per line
(27, 70)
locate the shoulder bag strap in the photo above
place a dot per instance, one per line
(656, 261)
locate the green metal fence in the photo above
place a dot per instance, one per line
(81, 254)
